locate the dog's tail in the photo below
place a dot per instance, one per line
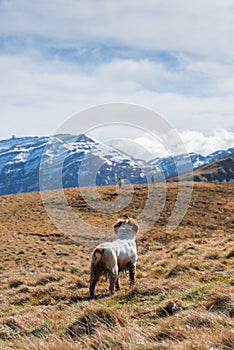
(97, 255)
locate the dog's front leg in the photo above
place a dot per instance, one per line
(132, 272)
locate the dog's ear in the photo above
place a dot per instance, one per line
(133, 223)
(135, 227)
(117, 225)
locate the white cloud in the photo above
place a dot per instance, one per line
(195, 27)
(38, 92)
(205, 144)
(37, 95)
(149, 146)
(192, 140)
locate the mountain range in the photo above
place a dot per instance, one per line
(28, 164)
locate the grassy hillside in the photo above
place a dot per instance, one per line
(183, 298)
(220, 170)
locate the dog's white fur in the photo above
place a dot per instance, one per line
(118, 255)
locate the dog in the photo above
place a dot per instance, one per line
(112, 257)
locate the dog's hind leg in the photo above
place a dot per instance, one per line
(117, 285)
(95, 275)
(113, 280)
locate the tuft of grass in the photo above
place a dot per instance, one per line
(74, 270)
(93, 319)
(80, 284)
(227, 339)
(196, 265)
(230, 254)
(40, 330)
(169, 308)
(47, 279)
(15, 283)
(20, 301)
(196, 319)
(221, 303)
(10, 329)
(213, 255)
(24, 290)
(176, 270)
(170, 329)
(210, 278)
(196, 294)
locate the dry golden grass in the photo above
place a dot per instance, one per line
(183, 298)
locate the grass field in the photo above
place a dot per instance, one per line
(184, 294)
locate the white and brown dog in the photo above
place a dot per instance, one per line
(118, 255)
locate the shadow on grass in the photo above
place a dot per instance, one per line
(77, 298)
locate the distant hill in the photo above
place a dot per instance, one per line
(218, 170)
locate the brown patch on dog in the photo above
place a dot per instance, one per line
(98, 251)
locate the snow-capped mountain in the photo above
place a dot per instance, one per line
(32, 163)
(80, 160)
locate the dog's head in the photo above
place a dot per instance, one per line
(130, 221)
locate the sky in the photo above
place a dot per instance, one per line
(175, 57)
